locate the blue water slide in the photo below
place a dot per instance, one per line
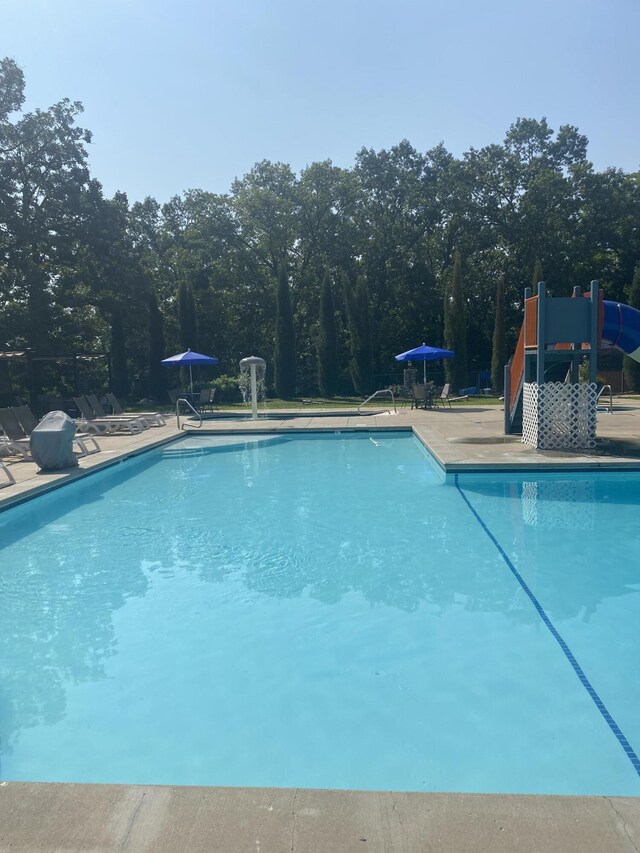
(621, 328)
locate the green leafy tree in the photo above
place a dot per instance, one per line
(284, 358)
(455, 329)
(328, 373)
(43, 174)
(499, 353)
(76, 269)
(632, 367)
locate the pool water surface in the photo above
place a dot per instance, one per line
(323, 611)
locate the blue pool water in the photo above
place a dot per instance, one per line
(323, 611)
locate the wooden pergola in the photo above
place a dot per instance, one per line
(31, 359)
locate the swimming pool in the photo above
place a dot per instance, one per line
(323, 611)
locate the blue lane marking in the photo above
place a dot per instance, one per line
(615, 728)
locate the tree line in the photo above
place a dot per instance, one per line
(326, 274)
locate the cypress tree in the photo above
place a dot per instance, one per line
(187, 323)
(119, 367)
(284, 357)
(187, 317)
(366, 351)
(357, 303)
(455, 328)
(157, 372)
(446, 312)
(538, 276)
(631, 367)
(499, 352)
(327, 341)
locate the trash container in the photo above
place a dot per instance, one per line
(52, 442)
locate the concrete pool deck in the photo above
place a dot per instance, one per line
(38, 817)
(463, 438)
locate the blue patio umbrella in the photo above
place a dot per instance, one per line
(425, 354)
(189, 357)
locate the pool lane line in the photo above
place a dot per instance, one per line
(615, 728)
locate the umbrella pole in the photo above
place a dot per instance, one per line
(191, 380)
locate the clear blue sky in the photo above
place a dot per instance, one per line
(190, 93)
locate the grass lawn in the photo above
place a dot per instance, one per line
(311, 403)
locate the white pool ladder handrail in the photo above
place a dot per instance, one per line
(375, 394)
(195, 412)
(600, 392)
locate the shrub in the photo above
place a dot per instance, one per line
(227, 389)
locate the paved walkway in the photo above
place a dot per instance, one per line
(35, 818)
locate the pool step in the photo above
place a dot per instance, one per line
(187, 451)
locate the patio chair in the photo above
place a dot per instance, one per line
(419, 399)
(403, 394)
(445, 396)
(104, 426)
(152, 418)
(205, 400)
(176, 394)
(29, 422)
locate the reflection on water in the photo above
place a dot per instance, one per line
(559, 505)
(62, 577)
(579, 543)
(287, 521)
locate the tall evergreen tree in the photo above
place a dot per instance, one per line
(358, 319)
(631, 367)
(537, 276)
(157, 372)
(455, 328)
(327, 341)
(119, 366)
(284, 357)
(188, 325)
(499, 352)
(187, 317)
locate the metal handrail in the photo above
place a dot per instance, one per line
(600, 392)
(375, 394)
(195, 412)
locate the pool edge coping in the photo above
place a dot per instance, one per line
(41, 817)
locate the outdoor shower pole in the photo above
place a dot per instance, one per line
(254, 393)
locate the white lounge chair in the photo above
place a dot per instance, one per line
(13, 441)
(446, 398)
(100, 413)
(10, 478)
(153, 418)
(104, 426)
